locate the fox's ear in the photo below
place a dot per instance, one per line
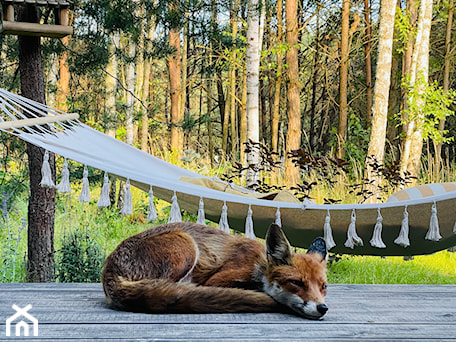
(278, 248)
(318, 246)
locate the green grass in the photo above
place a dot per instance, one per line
(439, 268)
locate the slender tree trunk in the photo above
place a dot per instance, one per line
(41, 208)
(367, 58)
(253, 84)
(343, 78)
(130, 100)
(232, 77)
(278, 82)
(419, 70)
(184, 72)
(412, 11)
(174, 66)
(243, 116)
(446, 77)
(376, 148)
(293, 91)
(111, 85)
(63, 89)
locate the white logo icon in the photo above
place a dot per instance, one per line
(21, 325)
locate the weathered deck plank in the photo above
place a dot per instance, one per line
(357, 312)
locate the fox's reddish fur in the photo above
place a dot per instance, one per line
(186, 267)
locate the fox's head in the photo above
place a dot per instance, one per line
(297, 281)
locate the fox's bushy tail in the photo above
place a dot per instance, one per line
(162, 295)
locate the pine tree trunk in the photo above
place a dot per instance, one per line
(293, 91)
(63, 89)
(343, 79)
(278, 83)
(232, 81)
(174, 67)
(376, 148)
(41, 208)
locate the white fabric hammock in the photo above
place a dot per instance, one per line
(369, 229)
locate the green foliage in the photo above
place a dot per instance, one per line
(80, 259)
(427, 105)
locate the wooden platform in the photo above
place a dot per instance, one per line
(357, 313)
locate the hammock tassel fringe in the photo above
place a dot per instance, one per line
(249, 232)
(403, 238)
(201, 216)
(327, 232)
(433, 233)
(46, 174)
(175, 213)
(64, 186)
(352, 237)
(104, 200)
(85, 191)
(376, 240)
(223, 223)
(127, 208)
(152, 212)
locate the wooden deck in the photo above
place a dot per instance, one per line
(73, 312)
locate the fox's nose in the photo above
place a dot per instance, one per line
(322, 308)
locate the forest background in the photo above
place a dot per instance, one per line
(353, 87)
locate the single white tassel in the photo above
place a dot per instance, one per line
(223, 223)
(175, 213)
(403, 238)
(152, 215)
(85, 191)
(46, 174)
(201, 216)
(64, 186)
(433, 233)
(352, 237)
(376, 240)
(327, 231)
(127, 208)
(104, 200)
(249, 232)
(278, 220)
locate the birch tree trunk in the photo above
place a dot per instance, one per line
(111, 86)
(130, 78)
(343, 78)
(446, 76)
(376, 148)
(253, 83)
(293, 98)
(232, 78)
(419, 70)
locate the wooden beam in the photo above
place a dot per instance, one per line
(33, 29)
(37, 121)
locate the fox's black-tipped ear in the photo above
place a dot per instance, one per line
(318, 246)
(278, 248)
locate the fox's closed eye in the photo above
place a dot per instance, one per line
(298, 283)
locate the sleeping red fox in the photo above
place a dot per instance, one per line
(187, 267)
